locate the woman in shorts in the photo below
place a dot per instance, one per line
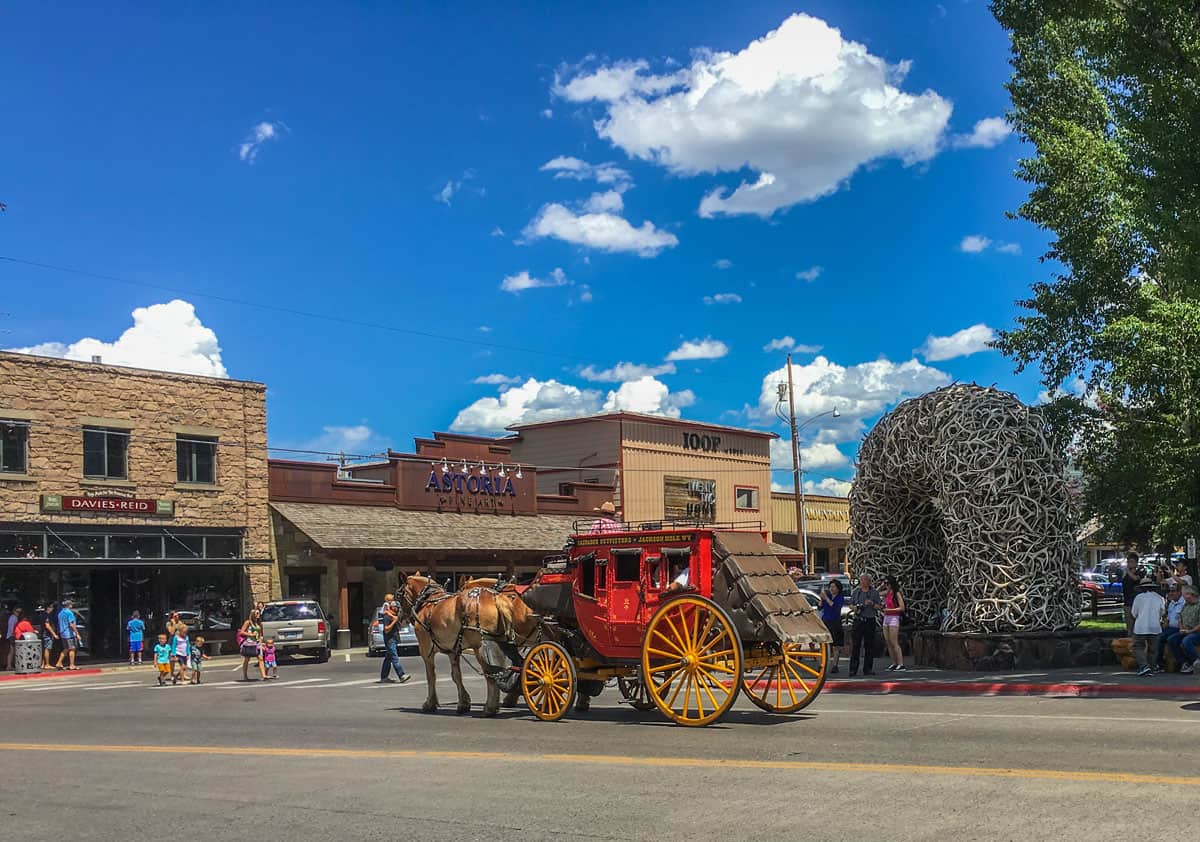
(893, 609)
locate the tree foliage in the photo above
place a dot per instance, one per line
(1108, 93)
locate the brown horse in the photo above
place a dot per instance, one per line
(479, 619)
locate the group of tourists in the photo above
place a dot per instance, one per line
(56, 626)
(177, 657)
(869, 608)
(1159, 624)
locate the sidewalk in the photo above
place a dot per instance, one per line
(118, 667)
(1101, 681)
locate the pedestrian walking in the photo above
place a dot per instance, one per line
(196, 658)
(14, 617)
(1170, 624)
(181, 651)
(136, 628)
(173, 622)
(893, 610)
(866, 603)
(832, 601)
(68, 635)
(1184, 642)
(49, 632)
(162, 659)
(249, 638)
(270, 665)
(1130, 583)
(1147, 611)
(391, 657)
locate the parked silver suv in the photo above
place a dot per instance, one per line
(297, 626)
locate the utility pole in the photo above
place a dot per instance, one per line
(798, 493)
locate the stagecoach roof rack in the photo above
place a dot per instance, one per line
(584, 527)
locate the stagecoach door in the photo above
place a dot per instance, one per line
(625, 596)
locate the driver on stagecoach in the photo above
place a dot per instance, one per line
(607, 521)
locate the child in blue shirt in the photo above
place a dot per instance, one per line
(162, 659)
(136, 628)
(196, 657)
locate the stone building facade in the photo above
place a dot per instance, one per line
(140, 487)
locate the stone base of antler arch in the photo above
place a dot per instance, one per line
(966, 652)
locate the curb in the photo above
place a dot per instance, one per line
(54, 674)
(987, 688)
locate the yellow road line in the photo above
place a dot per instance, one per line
(620, 760)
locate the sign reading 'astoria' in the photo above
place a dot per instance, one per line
(107, 505)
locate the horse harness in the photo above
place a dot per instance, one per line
(433, 594)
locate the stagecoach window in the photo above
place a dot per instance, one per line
(628, 565)
(587, 575)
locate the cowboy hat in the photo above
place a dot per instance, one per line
(606, 508)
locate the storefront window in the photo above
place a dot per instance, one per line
(16, 545)
(104, 452)
(135, 546)
(208, 599)
(223, 546)
(184, 546)
(14, 441)
(75, 546)
(196, 459)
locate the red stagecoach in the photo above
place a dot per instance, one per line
(682, 616)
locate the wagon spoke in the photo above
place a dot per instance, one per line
(672, 643)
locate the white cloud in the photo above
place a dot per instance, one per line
(623, 372)
(523, 281)
(819, 456)
(260, 134)
(723, 263)
(1009, 248)
(484, 329)
(699, 349)
(453, 186)
(1076, 386)
(585, 294)
(810, 274)
(355, 440)
(604, 231)
(829, 486)
(495, 380)
(565, 166)
(547, 113)
(963, 343)
(787, 343)
(609, 201)
(988, 132)
(858, 392)
(974, 243)
(801, 107)
(549, 400)
(649, 396)
(165, 337)
(723, 298)
(497, 232)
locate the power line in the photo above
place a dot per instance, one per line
(291, 311)
(453, 464)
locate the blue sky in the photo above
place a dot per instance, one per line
(526, 195)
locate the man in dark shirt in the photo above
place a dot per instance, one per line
(391, 634)
(1129, 587)
(866, 602)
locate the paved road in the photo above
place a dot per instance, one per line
(326, 753)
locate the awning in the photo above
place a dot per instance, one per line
(131, 562)
(383, 528)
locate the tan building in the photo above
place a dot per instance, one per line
(125, 489)
(661, 468)
(827, 523)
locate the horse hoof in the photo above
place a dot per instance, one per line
(490, 711)
(511, 700)
(461, 709)
(582, 707)
(428, 707)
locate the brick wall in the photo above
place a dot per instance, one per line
(57, 397)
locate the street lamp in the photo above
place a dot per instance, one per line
(789, 390)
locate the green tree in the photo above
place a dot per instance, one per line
(1108, 93)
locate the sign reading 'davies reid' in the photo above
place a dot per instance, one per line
(108, 505)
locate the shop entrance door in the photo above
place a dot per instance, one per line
(358, 636)
(104, 615)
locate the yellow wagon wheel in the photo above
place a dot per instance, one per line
(791, 682)
(634, 691)
(548, 681)
(692, 660)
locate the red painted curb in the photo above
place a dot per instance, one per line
(53, 674)
(1000, 688)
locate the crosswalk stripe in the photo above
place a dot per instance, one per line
(82, 686)
(341, 684)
